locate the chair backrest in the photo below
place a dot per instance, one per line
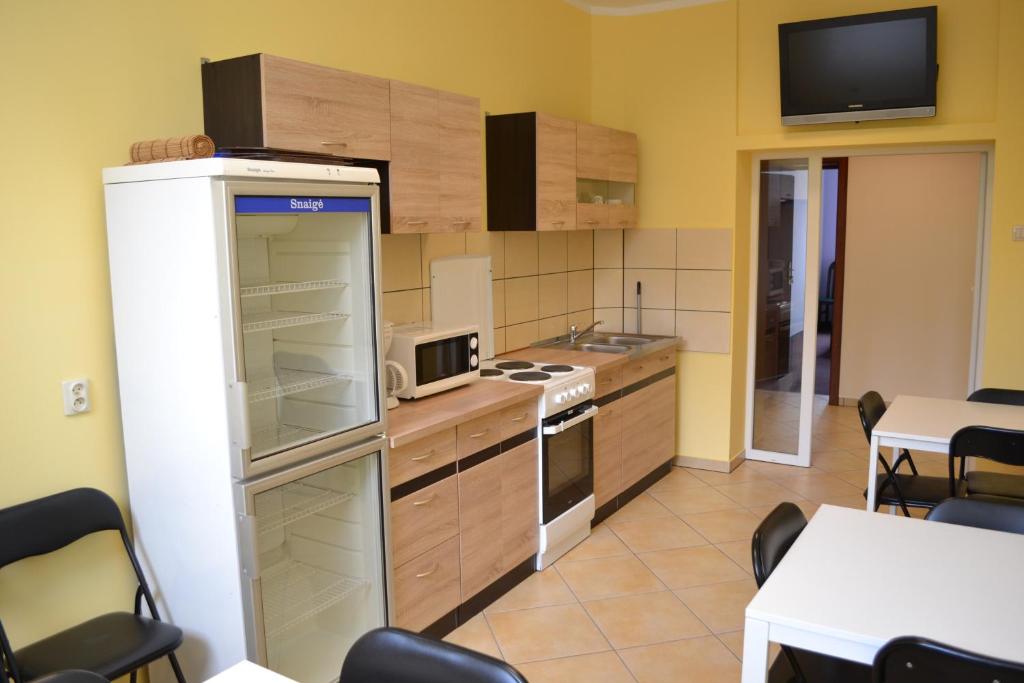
(980, 513)
(398, 656)
(47, 524)
(1005, 446)
(917, 660)
(1010, 397)
(871, 408)
(773, 538)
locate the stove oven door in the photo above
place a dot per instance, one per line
(567, 461)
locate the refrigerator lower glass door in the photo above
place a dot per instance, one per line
(306, 296)
(319, 548)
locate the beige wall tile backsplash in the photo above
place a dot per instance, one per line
(545, 282)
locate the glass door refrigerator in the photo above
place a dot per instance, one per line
(246, 314)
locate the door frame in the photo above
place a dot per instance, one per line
(815, 156)
(841, 165)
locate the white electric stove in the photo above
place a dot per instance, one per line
(565, 457)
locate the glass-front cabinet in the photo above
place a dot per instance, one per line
(306, 320)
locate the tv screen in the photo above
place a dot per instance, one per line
(866, 66)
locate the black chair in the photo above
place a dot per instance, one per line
(995, 483)
(891, 487)
(73, 676)
(1010, 397)
(110, 645)
(1005, 446)
(399, 656)
(995, 514)
(917, 660)
(772, 540)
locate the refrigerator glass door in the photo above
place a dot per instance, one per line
(306, 290)
(318, 549)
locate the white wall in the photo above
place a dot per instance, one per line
(911, 241)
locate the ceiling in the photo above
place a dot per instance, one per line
(628, 7)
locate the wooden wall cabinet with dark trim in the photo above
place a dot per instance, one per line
(606, 167)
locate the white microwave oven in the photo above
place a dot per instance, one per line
(435, 358)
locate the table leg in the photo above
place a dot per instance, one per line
(893, 509)
(755, 651)
(872, 469)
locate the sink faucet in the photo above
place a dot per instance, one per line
(574, 334)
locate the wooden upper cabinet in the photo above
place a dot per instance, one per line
(593, 151)
(461, 158)
(556, 173)
(622, 156)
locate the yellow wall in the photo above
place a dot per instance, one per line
(700, 87)
(82, 80)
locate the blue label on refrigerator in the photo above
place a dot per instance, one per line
(302, 205)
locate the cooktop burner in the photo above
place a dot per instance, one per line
(514, 365)
(529, 376)
(557, 368)
(491, 372)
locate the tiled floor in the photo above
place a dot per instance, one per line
(657, 592)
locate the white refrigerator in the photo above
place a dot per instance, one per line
(246, 315)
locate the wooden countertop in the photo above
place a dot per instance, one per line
(421, 417)
(592, 359)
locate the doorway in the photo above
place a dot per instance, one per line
(799, 320)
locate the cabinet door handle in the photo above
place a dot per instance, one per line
(424, 456)
(428, 572)
(520, 418)
(460, 222)
(557, 222)
(333, 143)
(479, 434)
(590, 222)
(415, 222)
(417, 503)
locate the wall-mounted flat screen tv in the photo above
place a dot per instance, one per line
(867, 66)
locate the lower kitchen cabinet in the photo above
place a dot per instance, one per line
(648, 429)
(519, 516)
(427, 588)
(607, 453)
(424, 519)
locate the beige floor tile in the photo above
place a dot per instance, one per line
(769, 470)
(677, 479)
(856, 477)
(720, 606)
(693, 500)
(686, 567)
(740, 474)
(476, 635)
(634, 620)
(545, 633)
(734, 641)
(656, 533)
(721, 527)
(540, 589)
(807, 506)
(738, 552)
(642, 506)
(816, 486)
(697, 660)
(603, 667)
(755, 493)
(601, 543)
(855, 502)
(608, 577)
(839, 461)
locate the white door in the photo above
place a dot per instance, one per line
(784, 309)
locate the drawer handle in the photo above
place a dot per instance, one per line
(426, 455)
(417, 503)
(333, 143)
(557, 222)
(479, 434)
(591, 222)
(460, 222)
(415, 222)
(520, 418)
(427, 573)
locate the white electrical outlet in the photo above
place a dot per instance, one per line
(1018, 233)
(76, 396)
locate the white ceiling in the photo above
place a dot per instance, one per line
(629, 7)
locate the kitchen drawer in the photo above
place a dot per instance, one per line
(478, 434)
(642, 368)
(421, 520)
(607, 382)
(591, 216)
(518, 419)
(621, 216)
(427, 588)
(421, 456)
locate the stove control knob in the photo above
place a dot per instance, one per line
(584, 388)
(573, 392)
(559, 398)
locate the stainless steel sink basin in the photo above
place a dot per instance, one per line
(629, 341)
(604, 342)
(602, 348)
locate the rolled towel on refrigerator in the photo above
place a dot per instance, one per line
(172, 149)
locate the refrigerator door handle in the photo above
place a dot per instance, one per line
(247, 545)
(240, 432)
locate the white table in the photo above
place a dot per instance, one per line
(855, 580)
(927, 424)
(247, 672)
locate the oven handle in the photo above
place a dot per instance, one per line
(571, 422)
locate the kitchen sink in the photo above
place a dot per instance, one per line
(611, 342)
(602, 348)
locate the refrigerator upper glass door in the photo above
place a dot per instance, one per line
(306, 296)
(318, 546)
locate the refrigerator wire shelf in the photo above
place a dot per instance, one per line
(294, 592)
(273, 320)
(278, 435)
(302, 500)
(289, 287)
(285, 382)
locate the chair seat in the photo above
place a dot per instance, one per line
(110, 645)
(74, 676)
(995, 484)
(818, 668)
(918, 490)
